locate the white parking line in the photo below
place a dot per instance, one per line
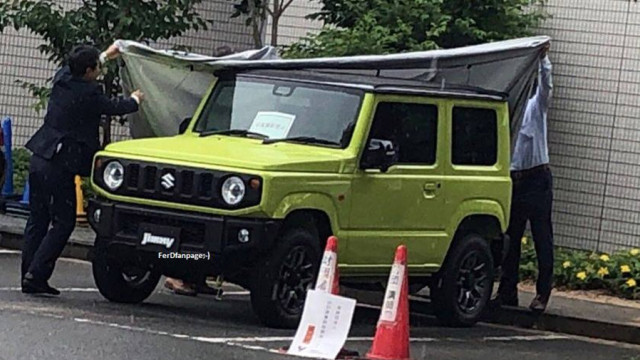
(72, 289)
(526, 338)
(92, 290)
(244, 341)
(13, 252)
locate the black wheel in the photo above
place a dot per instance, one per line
(119, 282)
(463, 286)
(280, 283)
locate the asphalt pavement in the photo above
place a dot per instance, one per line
(80, 324)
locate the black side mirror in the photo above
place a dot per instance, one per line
(379, 155)
(184, 125)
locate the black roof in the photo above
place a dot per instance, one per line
(374, 81)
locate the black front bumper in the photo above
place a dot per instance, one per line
(120, 224)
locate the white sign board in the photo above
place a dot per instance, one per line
(275, 125)
(324, 326)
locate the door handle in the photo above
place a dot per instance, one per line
(430, 189)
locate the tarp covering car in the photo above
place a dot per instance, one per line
(175, 82)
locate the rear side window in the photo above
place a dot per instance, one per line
(411, 128)
(475, 136)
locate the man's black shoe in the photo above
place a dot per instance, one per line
(503, 300)
(539, 304)
(30, 286)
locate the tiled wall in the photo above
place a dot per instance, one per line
(594, 136)
(594, 120)
(20, 59)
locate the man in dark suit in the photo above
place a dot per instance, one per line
(63, 148)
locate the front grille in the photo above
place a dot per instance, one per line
(191, 186)
(169, 183)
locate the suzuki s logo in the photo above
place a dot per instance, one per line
(168, 181)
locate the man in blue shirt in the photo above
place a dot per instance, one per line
(532, 196)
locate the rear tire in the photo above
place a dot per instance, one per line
(463, 286)
(280, 282)
(121, 283)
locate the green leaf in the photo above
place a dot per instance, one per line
(100, 22)
(385, 26)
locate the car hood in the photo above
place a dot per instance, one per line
(234, 152)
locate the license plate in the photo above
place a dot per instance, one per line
(158, 238)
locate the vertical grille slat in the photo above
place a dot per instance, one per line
(133, 176)
(150, 174)
(186, 183)
(205, 186)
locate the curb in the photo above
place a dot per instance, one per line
(568, 325)
(72, 250)
(421, 310)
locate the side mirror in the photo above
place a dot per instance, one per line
(184, 125)
(379, 155)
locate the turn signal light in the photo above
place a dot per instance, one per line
(254, 184)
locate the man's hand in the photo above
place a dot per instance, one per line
(138, 95)
(112, 52)
(545, 50)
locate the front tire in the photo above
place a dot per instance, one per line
(464, 285)
(119, 282)
(280, 282)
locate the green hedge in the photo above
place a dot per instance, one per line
(617, 273)
(21, 159)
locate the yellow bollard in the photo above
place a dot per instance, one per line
(81, 216)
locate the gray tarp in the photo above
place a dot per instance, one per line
(175, 82)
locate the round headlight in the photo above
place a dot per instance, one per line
(233, 190)
(113, 175)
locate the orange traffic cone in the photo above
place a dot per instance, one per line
(81, 215)
(329, 281)
(328, 277)
(392, 335)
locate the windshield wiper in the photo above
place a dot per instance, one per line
(235, 132)
(302, 139)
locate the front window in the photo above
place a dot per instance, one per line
(275, 109)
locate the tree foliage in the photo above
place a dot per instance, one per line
(355, 27)
(99, 23)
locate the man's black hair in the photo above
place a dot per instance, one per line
(223, 50)
(81, 58)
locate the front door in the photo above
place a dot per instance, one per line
(403, 205)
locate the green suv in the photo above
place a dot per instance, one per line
(274, 162)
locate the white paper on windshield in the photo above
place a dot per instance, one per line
(275, 125)
(324, 327)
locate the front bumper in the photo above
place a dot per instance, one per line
(121, 224)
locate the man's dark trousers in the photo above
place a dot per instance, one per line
(532, 200)
(52, 200)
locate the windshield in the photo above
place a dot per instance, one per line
(282, 110)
